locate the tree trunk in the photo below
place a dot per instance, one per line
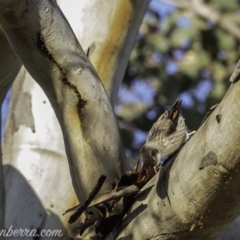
(37, 180)
(193, 197)
(30, 173)
(109, 45)
(197, 195)
(10, 65)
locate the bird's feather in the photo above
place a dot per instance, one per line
(166, 135)
(166, 124)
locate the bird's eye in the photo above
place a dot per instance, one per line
(154, 153)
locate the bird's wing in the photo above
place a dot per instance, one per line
(166, 124)
(159, 129)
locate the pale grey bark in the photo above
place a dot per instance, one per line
(37, 181)
(197, 195)
(9, 66)
(193, 198)
(58, 63)
(30, 133)
(110, 36)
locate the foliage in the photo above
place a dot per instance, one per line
(178, 54)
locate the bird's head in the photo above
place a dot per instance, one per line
(150, 155)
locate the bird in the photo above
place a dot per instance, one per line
(167, 134)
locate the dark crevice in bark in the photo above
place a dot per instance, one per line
(42, 47)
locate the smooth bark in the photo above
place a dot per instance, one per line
(9, 66)
(39, 141)
(109, 36)
(197, 195)
(37, 181)
(57, 62)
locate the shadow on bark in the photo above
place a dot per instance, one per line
(163, 179)
(24, 209)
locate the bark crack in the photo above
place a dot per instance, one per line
(43, 48)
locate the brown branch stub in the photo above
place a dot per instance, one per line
(95, 190)
(235, 77)
(88, 52)
(43, 48)
(106, 210)
(82, 207)
(208, 113)
(114, 194)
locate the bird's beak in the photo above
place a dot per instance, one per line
(175, 110)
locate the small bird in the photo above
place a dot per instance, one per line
(165, 137)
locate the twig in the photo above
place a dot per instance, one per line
(236, 74)
(112, 195)
(208, 113)
(82, 207)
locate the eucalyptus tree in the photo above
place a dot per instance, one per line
(194, 196)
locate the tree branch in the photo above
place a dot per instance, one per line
(43, 40)
(197, 195)
(211, 15)
(110, 51)
(48, 145)
(204, 11)
(35, 162)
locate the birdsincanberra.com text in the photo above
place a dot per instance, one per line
(24, 232)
